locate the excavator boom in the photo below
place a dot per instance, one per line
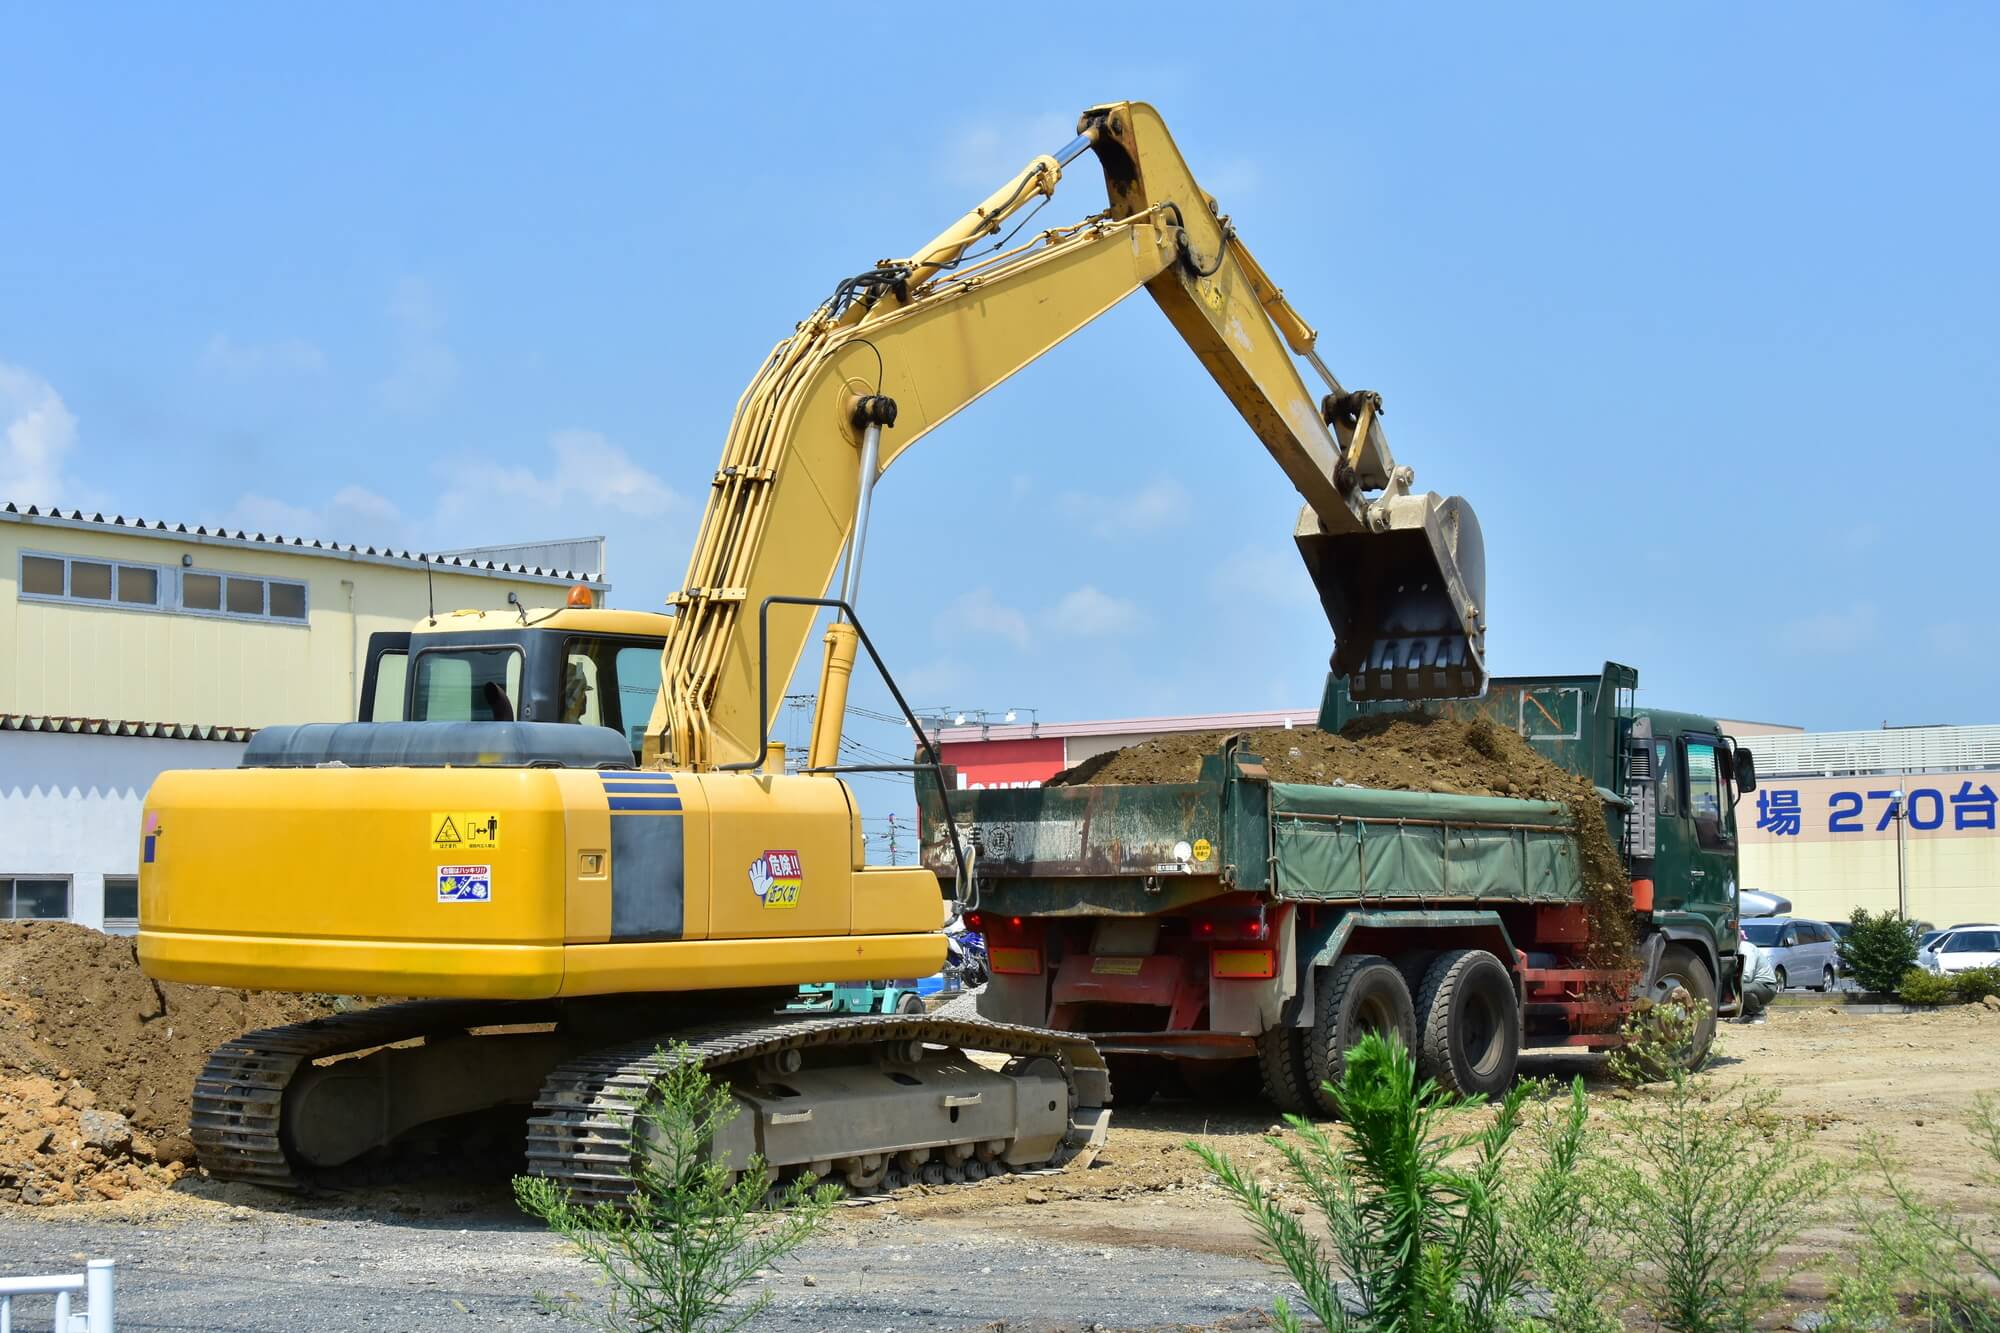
(899, 349)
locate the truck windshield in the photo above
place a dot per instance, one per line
(1762, 933)
(467, 685)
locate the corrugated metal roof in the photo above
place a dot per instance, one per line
(105, 726)
(466, 563)
(1896, 750)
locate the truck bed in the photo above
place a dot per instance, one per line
(1142, 849)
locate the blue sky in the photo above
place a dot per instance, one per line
(1695, 303)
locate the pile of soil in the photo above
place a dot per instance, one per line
(98, 1061)
(1408, 752)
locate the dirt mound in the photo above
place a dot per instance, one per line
(1406, 752)
(58, 1146)
(84, 1032)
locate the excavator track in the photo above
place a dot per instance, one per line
(583, 1131)
(582, 1127)
(239, 1096)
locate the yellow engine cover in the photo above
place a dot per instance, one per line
(519, 883)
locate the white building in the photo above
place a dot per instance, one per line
(131, 646)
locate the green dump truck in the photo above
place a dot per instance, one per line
(1194, 928)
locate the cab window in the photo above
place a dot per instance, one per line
(391, 672)
(467, 685)
(1666, 783)
(611, 683)
(638, 683)
(1707, 796)
(583, 695)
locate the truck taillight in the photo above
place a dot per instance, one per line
(1012, 962)
(1233, 929)
(1241, 964)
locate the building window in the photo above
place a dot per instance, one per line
(121, 905)
(62, 578)
(242, 596)
(34, 898)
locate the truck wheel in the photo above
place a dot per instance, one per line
(1470, 1024)
(1415, 964)
(911, 1003)
(1681, 966)
(1281, 1060)
(1361, 994)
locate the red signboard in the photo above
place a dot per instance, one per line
(1027, 763)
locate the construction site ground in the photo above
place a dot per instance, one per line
(1138, 1241)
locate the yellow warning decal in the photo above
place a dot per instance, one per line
(1115, 967)
(1203, 849)
(461, 830)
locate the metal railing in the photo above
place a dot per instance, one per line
(95, 1284)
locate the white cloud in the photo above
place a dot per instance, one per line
(985, 156)
(979, 612)
(1159, 504)
(353, 514)
(1836, 631)
(426, 369)
(590, 467)
(1089, 612)
(40, 432)
(231, 359)
(1265, 575)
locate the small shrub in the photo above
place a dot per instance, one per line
(1422, 1244)
(1878, 950)
(1557, 1219)
(676, 1256)
(1976, 983)
(1921, 987)
(1702, 1197)
(1660, 1038)
(1949, 1267)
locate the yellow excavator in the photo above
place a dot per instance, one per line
(570, 833)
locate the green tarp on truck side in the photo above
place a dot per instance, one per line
(1351, 844)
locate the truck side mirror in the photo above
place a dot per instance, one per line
(1746, 770)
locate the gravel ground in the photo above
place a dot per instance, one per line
(197, 1264)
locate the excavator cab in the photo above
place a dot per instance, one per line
(1405, 599)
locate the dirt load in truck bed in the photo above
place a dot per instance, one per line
(1405, 752)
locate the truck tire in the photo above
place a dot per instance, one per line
(1281, 1060)
(1415, 964)
(1683, 967)
(911, 1003)
(1360, 994)
(1469, 1023)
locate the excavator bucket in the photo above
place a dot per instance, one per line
(1406, 601)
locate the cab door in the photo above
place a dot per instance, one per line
(1708, 813)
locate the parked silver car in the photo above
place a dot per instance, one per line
(1802, 952)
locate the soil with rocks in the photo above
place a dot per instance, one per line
(98, 1061)
(1407, 752)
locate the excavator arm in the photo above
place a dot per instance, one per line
(898, 350)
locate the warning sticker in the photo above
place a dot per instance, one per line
(467, 831)
(465, 884)
(775, 877)
(1202, 849)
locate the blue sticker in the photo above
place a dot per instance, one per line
(465, 884)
